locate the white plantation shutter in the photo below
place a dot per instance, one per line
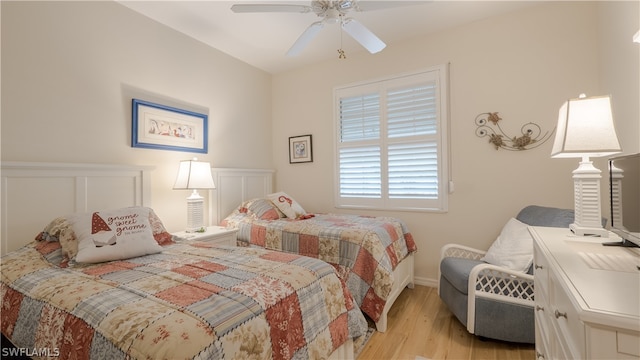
(360, 118)
(413, 171)
(360, 173)
(412, 111)
(391, 143)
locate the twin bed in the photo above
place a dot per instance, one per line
(384, 245)
(189, 299)
(364, 250)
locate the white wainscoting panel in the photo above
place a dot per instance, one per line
(233, 186)
(33, 194)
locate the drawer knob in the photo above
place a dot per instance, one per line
(558, 314)
(538, 266)
(539, 355)
(539, 308)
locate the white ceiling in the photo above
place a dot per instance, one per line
(262, 39)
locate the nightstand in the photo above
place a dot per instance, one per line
(216, 234)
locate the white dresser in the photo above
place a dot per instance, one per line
(587, 297)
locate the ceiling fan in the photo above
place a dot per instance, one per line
(331, 12)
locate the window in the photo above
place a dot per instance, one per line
(391, 143)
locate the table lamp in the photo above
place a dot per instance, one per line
(194, 175)
(586, 129)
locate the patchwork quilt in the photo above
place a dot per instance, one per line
(365, 250)
(191, 301)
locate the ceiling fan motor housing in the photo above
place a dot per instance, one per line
(332, 9)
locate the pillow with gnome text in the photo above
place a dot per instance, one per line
(113, 234)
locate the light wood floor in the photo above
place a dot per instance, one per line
(420, 324)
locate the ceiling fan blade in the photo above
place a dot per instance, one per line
(305, 38)
(363, 35)
(251, 8)
(374, 5)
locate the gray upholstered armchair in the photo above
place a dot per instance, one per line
(492, 301)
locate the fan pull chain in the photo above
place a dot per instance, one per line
(341, 54)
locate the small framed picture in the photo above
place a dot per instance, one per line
(155, 126)
(300, 149)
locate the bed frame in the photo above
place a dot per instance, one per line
(233, 186)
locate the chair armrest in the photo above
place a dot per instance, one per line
(461, 251)
(499, 284)
(458, 251)
(491, 281)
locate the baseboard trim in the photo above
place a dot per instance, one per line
(425, 281)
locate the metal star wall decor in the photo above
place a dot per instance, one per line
(488, 124)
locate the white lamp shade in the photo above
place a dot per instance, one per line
(585, 128)
(194, 174)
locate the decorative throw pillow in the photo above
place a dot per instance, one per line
(113, 234)
(60, 230)
(52, 231)
(263, 209)
(289, 207)
(513, 248)
(160, 233)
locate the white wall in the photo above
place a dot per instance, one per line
(70, 70)
(620, 67)
(523, 65)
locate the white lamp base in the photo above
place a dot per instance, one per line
(195, 212)
(586, 194)
(587, 231)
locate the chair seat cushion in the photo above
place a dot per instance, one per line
(457, 270)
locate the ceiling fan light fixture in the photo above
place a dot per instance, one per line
(333, 16)
(331, 12)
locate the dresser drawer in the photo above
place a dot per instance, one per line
(542, 313)
(567, 321)
(610, 343)
(540, 273)
(628, 343)
(544, 333)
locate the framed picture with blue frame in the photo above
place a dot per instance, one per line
(156, 126)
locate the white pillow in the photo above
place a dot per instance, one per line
(513, 248)
(287, 205)
(113, 234)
